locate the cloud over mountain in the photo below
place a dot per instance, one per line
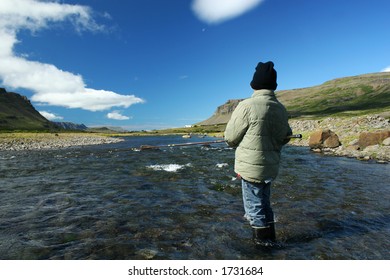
(116, 115)
(50, 116)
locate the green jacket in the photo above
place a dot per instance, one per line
(258, 128)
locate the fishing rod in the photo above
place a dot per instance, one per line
(299, 136)
(150, 147)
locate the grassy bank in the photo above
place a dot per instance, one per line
(209, 130)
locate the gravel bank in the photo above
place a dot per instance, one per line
(348, 131)
(45, 141)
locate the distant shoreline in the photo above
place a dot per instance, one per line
(347, 129)
(24, 141)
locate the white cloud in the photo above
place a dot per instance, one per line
(217, 11)
(387, 69)
(37, 14)
(116, 115)
(88, 99)
(51, 86)
(50, 116)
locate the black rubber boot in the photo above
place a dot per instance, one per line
(264, 237)
(272, 236)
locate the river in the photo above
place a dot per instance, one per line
(111, 202)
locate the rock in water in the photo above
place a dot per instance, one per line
(324, 139)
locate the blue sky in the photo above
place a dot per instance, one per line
(151, 64)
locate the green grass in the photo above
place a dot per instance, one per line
(349, 97)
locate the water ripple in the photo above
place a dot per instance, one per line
(113, 202)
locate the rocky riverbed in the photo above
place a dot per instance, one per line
(44, 141)
(349, 131)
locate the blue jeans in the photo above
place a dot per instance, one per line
(257, 205)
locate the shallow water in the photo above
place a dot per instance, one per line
(110, 202)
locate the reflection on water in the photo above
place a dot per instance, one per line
(110, 202)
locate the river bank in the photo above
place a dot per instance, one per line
(45, 141)
(348, 131)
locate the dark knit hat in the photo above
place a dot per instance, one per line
(264, 77)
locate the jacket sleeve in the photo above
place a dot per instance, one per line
(289, 132)
(237, 126)
(281, 127)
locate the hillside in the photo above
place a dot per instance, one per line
(17, 113)
(350, 96)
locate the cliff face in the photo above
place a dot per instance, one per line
(17, 113)
(350, 96)
(223, 113)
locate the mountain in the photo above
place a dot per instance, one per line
(107, 129)
(70, 126)
(17, 113)
(357, 95)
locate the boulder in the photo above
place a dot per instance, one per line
(317, 138)
(371, 149)
(324, 139)
(386, 142)
(353, 148)
(372, 138)
(332, 141)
